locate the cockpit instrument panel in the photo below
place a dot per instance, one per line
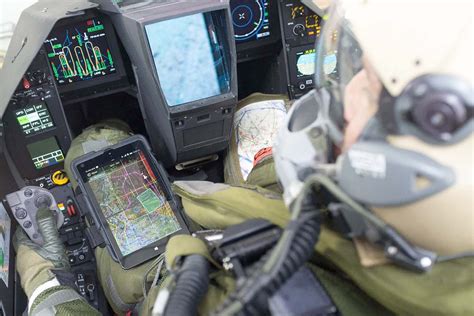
(80, 52)
(37, 133)
(250, 19)
(300, 29)
(300, 24)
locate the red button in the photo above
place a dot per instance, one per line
(26, 83)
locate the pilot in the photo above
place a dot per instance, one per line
(389, 135)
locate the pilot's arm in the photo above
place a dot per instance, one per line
(44, 272)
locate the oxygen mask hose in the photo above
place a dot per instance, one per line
(191, 285)
(294, 248)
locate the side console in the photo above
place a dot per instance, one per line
(72, 227)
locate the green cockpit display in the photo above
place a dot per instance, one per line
(79, 52)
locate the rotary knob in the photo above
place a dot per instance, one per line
(299, 30)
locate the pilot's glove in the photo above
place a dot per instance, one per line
(43, 272)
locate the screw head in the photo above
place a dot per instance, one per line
(426, 262)
(391, 250)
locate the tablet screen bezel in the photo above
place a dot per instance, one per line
(106, 156)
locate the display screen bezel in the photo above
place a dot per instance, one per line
(83, 164)
(298, 55)
(42, 141)
(293, 59)
(253, 38)
(230, 58)
(114, 49)
(251, 49)
(222, 69)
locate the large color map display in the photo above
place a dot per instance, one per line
(132, 202)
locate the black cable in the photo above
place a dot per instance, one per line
(253, 295)
(456, 256)
(191, 285)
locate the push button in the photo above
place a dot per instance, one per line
(20, 213)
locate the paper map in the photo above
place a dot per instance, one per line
(256, 127)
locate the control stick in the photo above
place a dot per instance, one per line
(25, 204)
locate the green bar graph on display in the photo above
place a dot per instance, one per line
(89, 68)
(79, 69)
(55, 71)
(109, 56)
(80, 52)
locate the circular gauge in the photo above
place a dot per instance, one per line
(248, 18)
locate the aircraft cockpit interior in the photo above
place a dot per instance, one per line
(173, 79)
(172, 70)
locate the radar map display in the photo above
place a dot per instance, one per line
(250, 19)
(132, 202)
(79, 52)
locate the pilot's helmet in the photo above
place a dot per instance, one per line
(395, 104)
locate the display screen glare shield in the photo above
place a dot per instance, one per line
(34, 119)
(79, 52)
(132, 202)
(5, 233)
(189, 58)
(45, 153)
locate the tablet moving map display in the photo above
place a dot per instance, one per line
(79, 52)
(130, 198)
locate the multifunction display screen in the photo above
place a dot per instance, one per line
(79, 52)
(189, 58)
(250, 19)
(131, 199)
(306, 62)
(45, 153)
(34, 119)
